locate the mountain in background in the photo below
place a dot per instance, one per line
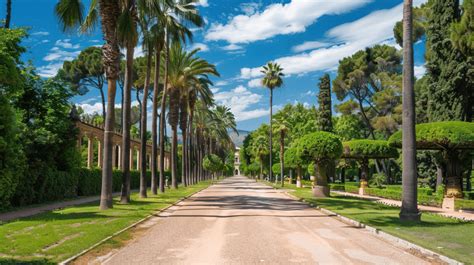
(238, 139)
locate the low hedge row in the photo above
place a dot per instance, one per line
(425, 195)
(468, 195)
(463, 204)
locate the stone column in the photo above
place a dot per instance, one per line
(90, 151)
(114, 156)
(138, 160)
(99, 153)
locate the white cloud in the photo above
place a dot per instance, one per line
(222, 83)
(240, 101)
(420, 71)
(40, 33)
(279, 19)
(57, 54)
(309, 45)
(257, 82)
(49, 70)
(203, 3)
(372, 29)
(232, 47)
(44, 41)
(97, 107)
(201, 46)
(66, 44)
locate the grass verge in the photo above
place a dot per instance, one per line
(54, 236)
(447, 236)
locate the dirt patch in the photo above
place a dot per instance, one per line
(55, 244)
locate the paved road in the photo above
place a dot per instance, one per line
(242, 222)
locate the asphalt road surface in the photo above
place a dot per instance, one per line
(239, 221)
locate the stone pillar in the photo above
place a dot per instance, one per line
(114, 156)
(99, 153)
(90, 151)
(138, 160)
(119, 162)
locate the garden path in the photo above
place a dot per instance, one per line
(239, 221)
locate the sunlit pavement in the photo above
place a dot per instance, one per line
(239, 221)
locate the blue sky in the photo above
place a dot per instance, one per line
(308, 37)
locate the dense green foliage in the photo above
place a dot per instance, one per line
(319, 146)
(292, 158)
(212, 163)
(441, 135)
(38, 139)
(325, 106)
(368, 149)
(450, 72)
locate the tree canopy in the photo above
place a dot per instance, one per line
(364, 149)
(319, 146)
(440, 136)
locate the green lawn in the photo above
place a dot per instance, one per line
(443, 235)
(55, 236)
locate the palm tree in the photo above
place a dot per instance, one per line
(184, 71)
(272, 79)
(70, 16)
(128, 38)
(409, 210)
(281, 126)
(175, 14)
(260, 149)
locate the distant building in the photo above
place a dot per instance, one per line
(237, 161)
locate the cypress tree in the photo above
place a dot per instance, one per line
(450, 86)
(325, 108)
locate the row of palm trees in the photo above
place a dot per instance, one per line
(178, 80)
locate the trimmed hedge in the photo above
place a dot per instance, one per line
(446, 134)
(461, 204)
(425, 195)
(319, 146)
(360, 149)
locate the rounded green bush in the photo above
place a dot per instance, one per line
(440, 135)
(276, 168)
(212, 163)
(362, 149)
(319, 146)
(292, 160)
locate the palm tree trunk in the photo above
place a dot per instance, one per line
(154, 118)
(183, 125)
(174, 157)
(162, 119)
(109, 12)
(102, 97)
(143, 129)
(126, 124)
(409, 210)
(282, 155)
(271, 134)
(8, 14)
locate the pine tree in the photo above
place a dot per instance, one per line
(324, 100)
(450, 86)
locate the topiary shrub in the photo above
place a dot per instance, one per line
(363, 150)
(294, 161)
(322, 148)
(454, 139)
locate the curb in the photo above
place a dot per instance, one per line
(401, 243)
(69, 260)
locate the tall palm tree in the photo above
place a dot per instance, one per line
(8, 14)
(260, 149)
(148, 44)
(409, 210)
(70, 16)
(128, 38)
(281, 126)
(272, 79)
(185, 70)
(176, 14)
